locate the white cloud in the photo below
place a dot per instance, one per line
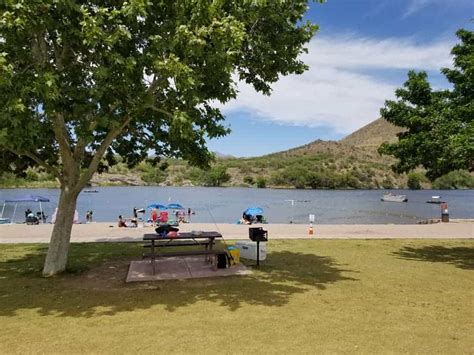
(415, 6)
(345, 86)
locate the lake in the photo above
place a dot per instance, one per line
(225, 205)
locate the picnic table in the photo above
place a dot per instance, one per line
(188, 239)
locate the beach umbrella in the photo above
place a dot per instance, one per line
(157, 206)
(254, 211)
(175, 206)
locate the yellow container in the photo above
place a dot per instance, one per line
(234, 255)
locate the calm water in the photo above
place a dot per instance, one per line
(225, 205)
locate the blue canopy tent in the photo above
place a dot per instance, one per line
(28, 198)
(254, 211)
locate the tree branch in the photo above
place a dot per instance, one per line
(111, 135)
(157, 109)
(38, 161)
(59, 128)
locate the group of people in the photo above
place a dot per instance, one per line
(250, 219)
(31, 218)
(155, 217)
(122, 222)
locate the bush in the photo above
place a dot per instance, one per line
(31, 174)
(249, 180)
(261, 183)
(216, 176)
(414, 181)
(458, 179)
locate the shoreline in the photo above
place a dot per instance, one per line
(109, 232)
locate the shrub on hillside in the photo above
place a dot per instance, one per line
(261, 182)
(249, 180)
(458, 179)
(414, 180)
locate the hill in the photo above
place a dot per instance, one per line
(352, 162)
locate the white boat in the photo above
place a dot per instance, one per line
(394, 198)
(435, 200)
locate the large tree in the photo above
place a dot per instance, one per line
(439, 124)
(81, 80)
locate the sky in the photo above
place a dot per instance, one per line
(360, 55)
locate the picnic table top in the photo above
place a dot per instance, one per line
(185, 235)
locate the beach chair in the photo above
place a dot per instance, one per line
(163, 217)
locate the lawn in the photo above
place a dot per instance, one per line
(337, 296)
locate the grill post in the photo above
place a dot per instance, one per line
(258, 235)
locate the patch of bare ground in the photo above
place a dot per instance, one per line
(107, 277)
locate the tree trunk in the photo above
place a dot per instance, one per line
(56, 258)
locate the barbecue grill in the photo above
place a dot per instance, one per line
(257, 234)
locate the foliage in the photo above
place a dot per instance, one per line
(261, 182)
(458, 179)
(414, 180)
(215, 176)
(80, 81)
(439, 124)
(249, 180)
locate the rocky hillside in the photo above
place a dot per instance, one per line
(352, 162)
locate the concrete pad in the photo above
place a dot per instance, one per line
(179, 268)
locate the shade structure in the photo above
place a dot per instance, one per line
(157, 206)
(254, 211)
(29, 198)
(175, 206)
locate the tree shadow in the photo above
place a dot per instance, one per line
(101, 290)
(461, 257)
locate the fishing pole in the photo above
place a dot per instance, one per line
(218, 229)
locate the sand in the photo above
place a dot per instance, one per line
(109, 232)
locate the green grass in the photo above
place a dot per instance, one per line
(336, 296)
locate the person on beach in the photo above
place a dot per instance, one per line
(154, 216)
(134, 219)
(121, 222)
(88, 216)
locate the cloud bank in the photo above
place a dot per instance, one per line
(347, 83)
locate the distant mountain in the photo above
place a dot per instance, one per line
(373, 134)
(352, 162)
(223, 156)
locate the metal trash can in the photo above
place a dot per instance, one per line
(444, 212)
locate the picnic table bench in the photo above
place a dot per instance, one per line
(157, 241)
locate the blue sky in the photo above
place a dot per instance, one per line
(360, 55)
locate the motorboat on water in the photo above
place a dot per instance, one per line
(435, 200)
(394, 198)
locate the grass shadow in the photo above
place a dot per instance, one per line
(96, 287)
(461, 257)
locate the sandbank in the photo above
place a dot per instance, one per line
(109, 232)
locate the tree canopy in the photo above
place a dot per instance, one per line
(80, 80)
(439, 124)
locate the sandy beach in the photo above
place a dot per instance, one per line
(109, 232)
